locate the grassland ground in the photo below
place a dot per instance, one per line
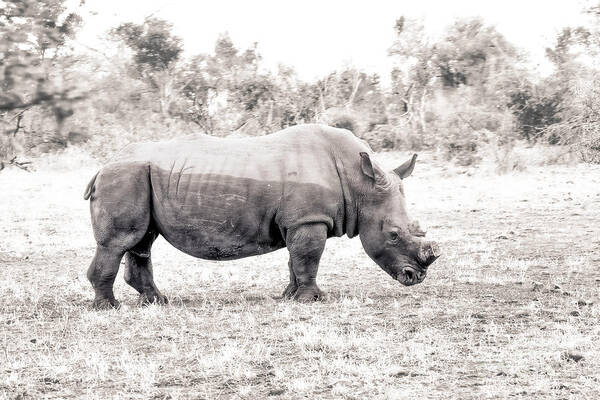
(511, 309)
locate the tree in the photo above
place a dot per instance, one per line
(155, 51)
(32, 36)
(575, 120)
(224, 90)
(414, 77)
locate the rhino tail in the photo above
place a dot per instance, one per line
(90, 187)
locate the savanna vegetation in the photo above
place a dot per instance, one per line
(468, 94)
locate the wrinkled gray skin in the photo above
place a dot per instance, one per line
(224, 199)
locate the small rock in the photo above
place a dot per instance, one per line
(34, 340)
(502, 237)
(575, 313)
(277, 392)
(573, 356)
(400, 374)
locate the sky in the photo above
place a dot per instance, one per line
(316, 37)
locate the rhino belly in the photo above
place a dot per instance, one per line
(216, 217)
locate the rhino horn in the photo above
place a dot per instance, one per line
(406, 169)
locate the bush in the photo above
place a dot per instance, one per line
(581, 137)
(579, 128)
(341, 117)
(535, 111)
(391, 137)
(461, 125)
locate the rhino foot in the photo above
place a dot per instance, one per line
(106, 304)
(290, 291)
(146, 299)
(309, 294)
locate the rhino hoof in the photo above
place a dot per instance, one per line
(290, 291)
(106, 304)
(308, 295)
(146, 299)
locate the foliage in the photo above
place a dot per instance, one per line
(223, 90)
(472, 54)
(460, 93)
(574, 116)
(154, 46)
(156, 51)
(579, 128)
(535, 110)
(33, 53)
(32, 35)
(440, 87)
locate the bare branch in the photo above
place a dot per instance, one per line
(24, 165)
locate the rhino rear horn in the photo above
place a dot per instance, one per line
(406, 169)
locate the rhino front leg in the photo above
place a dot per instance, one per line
(292, 287)
(306, 244)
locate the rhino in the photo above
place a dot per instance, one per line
(230, 198)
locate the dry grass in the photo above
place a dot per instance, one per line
(513, 300)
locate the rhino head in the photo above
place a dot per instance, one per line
(388, 236)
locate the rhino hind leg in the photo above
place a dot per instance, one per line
(138, 271)
(292, 287)
(306, 244)
(120, 209)
(102, 273)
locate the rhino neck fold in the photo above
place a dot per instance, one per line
(350, 208)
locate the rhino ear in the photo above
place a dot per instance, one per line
(371, 169)
(406, 169)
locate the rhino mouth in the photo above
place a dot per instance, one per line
(409, 275)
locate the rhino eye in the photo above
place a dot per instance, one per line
(394, 236)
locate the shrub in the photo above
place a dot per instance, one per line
(581, 137)
(461, 125)
(345, 118)
(391, 137)
(579, 128)
(535, 111)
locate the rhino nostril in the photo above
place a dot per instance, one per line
(409, 273)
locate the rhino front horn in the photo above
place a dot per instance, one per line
(428, 253)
